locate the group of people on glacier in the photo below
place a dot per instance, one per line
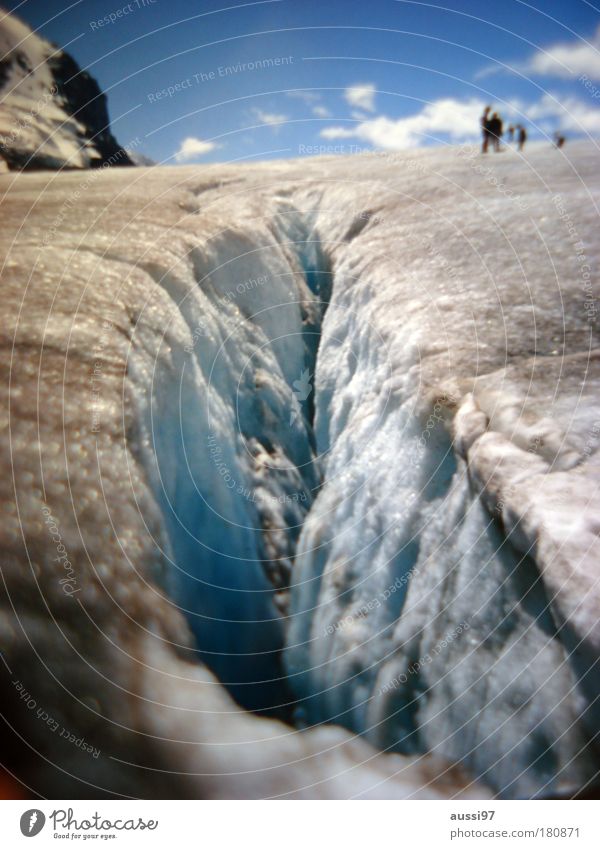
(492, 129)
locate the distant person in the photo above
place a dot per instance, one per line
(495, 128)
(521, 137)
(485, 129)
(511, 133)
(559, 140)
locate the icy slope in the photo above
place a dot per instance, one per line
(52, 114)
(372, 379)
(456, 532)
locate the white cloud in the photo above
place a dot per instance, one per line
(312, 99)
(306, 96)
(455, 118)
(191, 147)
(339, 133)
(273, 119)
(567, 60)
(569, 113)
(362, 96)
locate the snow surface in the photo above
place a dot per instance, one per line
(339, 416)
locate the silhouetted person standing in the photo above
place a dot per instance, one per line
(522, 137)
(558, 140)
(511, 133)
(495, 128)
(485, 129)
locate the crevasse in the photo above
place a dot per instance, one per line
(327, 502)
(232, 447)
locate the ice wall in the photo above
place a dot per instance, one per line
(439, 602)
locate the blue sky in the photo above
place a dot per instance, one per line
(212, 81)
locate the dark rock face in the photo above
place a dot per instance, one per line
(53, 115)
(84, 100)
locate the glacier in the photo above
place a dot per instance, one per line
(318, 440)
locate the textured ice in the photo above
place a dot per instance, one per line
(343, 406)
(52, 114)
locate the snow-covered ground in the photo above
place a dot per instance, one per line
(337, 417)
